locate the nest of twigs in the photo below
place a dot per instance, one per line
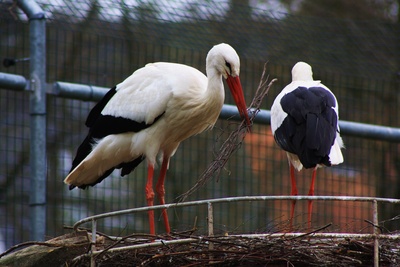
(189, 249)
(242, 250)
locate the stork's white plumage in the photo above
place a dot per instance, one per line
(149, 114)
(304, 122)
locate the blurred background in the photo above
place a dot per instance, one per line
(353, 47)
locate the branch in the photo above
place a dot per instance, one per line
(234, 140)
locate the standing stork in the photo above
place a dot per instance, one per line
(149, 114)
(304, 122)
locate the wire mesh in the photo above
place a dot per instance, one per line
(103, 42)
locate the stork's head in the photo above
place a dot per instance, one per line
(301, 71)
(223, 60)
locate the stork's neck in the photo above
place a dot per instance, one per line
(215, 87)
(303, 77)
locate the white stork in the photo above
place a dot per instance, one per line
(304, 122)
(149, 114)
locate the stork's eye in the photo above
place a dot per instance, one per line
(228, 65)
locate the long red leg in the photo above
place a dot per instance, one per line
(311, 193)
(150, 197)
(294, 192)
(161, 191)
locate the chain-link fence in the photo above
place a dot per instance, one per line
(102, 42)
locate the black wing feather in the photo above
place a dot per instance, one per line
(96, 110)
(309, 130)
(101, 126)
(127, 167)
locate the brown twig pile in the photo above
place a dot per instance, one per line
(189, 249)
(235, 139)
(250, 251)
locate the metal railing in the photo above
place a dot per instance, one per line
(95, 93)
(210, 215)
(37, 110)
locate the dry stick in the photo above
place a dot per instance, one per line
(312, 232)
(234, 140)
(374, 225)
(37, 243)
(88, 230)
(112, 246)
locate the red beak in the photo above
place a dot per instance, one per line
(237, 92)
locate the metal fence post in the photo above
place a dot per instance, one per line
(37, 79)
(376, 232)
